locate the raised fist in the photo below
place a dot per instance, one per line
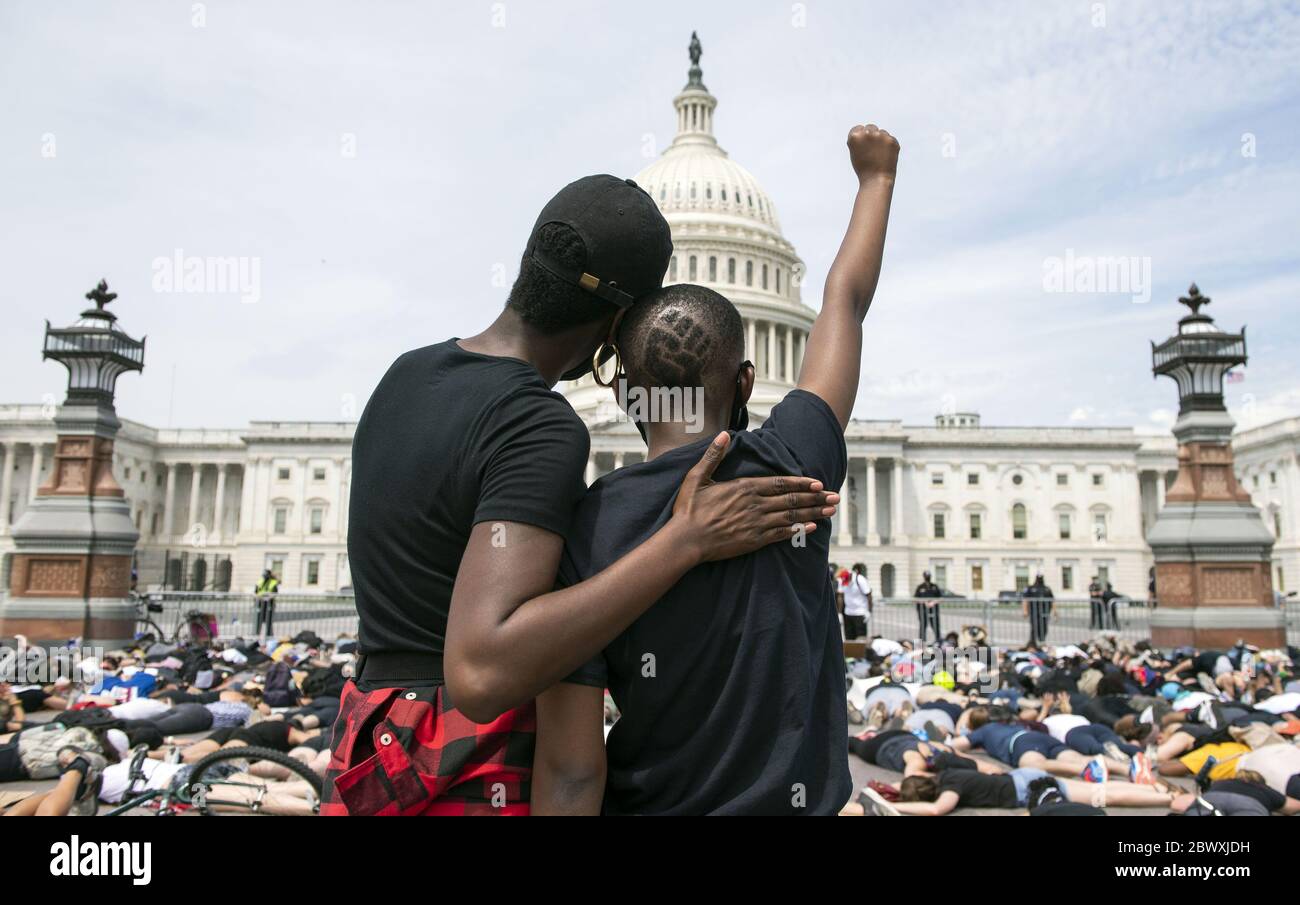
(872, 151)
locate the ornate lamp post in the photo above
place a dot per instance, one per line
(71, 572)
(1211, 547)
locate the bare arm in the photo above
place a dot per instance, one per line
(833, 359)
(569, 762)
(942, 805)
(510, 635)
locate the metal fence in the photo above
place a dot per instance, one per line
(331, 615)
(328, 615)
(1071, 620)
(1007, 626)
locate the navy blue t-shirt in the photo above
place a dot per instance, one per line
(731, 687)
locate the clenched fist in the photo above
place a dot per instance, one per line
(873, 152)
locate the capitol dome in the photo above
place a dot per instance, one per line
(726, 235)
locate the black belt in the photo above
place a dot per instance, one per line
(399, 666)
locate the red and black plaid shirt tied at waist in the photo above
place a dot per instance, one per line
(403, 752)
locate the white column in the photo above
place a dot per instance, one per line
(169, 503)
(341, 465)
(196, 470)
(896, 504)
(789, 355)
(873, 538)
(802, 339)
(247, 488)
(302, 497)
(1160, 490)
(618, 461)
(751, 341)
(770, 338)
(262, 495)
(845, 538)
(6, 487)
(219, 504)
(38, 459)
(591, 469)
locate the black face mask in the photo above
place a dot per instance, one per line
(584, 369)
(739, 411)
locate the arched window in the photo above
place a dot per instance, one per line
(713, 269)
(1019, 521)
(691, 269)
(692, 191)
(708, 192)
(663, 192)
(724, 193)
(731, 270)
(778, 281)
(764, 276)
(672, 269)
(749, 273)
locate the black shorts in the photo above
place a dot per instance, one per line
(273, 734)
(33, 699)
(11, 765)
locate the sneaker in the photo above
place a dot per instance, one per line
(875, 804)
(1207, 716)
(91, 766)
(1114, 753)
(1095, 771)
(877, 715)
(1139, 770)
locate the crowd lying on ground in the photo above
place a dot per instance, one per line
(117, 728)
(1065, 730)
(1076, 729)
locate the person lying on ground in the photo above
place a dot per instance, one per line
(935, 796)
(746, 713)
(274, 734)
(1019, 747)
(1245, 795)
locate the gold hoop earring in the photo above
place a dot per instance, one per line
(595, 364)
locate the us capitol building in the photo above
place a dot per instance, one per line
(982, 508)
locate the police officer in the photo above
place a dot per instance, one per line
(1096, 606)
(265, 592)
(1038, 607)
(927, 609)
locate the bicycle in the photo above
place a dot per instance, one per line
(195, 628)
(198, 789)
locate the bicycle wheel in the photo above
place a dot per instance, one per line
(145, 627)
(297, 767)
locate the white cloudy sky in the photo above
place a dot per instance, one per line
(1122, 137)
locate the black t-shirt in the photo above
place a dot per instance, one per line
(449, 439)
(1271, 799)
(731, 687)
(979, 790)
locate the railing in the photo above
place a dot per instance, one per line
(328, 615)
(1006, 625)
(331, 615)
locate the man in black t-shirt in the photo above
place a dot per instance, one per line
(731, 688)
(465, 469)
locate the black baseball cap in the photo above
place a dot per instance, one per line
(627, 240)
